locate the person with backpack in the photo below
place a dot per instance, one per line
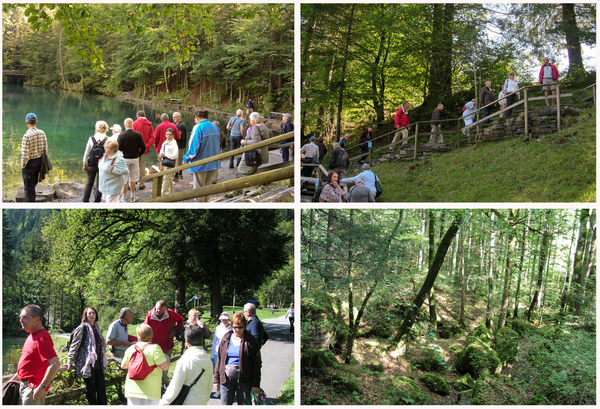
(193, 373)
(94, 150)
(145, 363)
(237, 371)
(87, 354)
(113, 172)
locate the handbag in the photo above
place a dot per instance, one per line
(168, 163)
(253, 158)
(378, 187)
(185, 389)
(232, 372)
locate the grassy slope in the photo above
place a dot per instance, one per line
(554, 168)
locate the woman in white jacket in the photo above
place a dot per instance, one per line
(169, 150)
(194, 367)
(112, 169)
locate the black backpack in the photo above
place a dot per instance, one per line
(85, 330)
(97, 152)
(317, 194)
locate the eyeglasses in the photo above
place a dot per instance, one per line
(237, 327)
(511, 74)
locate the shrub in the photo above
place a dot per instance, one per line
(435, 383)
(506, 345)
(521, 326)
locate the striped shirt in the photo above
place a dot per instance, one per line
(33, 146)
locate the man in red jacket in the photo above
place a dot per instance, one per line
(160, 133)
(143, 126)
(548, 76)
(401, 120)
(161, 320)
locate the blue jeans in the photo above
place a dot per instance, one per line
(486, 112)
(236, 142)
(232, 388)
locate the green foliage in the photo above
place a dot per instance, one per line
(343, 385)
(286, 394)
(567, 369)
(447, 329)
(464, 383)
(435, 383)
(506, 345)
(374, 366)
(478, 359)
(431, 359)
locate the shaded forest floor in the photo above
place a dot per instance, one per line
(552, 364)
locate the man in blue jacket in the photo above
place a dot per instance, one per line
(205, 143)
(254, 326)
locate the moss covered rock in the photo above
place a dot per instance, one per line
(343, 384)
(522, 327)
(482, 334)
(447, 329)
(464, 383)
(374, 366)
(478, 359)
(435, 383)
(506, 345)
(429, 360)
(321, 358)
(406, 392)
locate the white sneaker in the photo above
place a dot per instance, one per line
(122, 199)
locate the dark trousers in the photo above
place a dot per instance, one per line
(95, 387)
(487, 111)
(236, 142)
(92, 174)
(31, 173)
(307, 170)
(291, 324)
(364, 149)
(231, 389)
(285, 154)
(509, 101)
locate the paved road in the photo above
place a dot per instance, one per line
(277, 358)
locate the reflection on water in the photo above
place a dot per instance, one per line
(68, 119)
(11, 356)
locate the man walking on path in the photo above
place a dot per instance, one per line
(486, 97)
(548, 77)
(143, 126)
(338, 161)
(131, 143)
(401, 121)
(436, 125)
(254, 326)
(33, 146)
(236, 126)
(39, 363)
(162, 319)
(250, 106)
(205, 143)
(181, 143)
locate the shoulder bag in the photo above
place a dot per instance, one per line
(185, 389)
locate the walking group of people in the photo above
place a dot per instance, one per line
(233, 368)
(116, 164)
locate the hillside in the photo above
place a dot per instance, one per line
(558, 167)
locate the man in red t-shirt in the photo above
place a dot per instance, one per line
(401, 121)
(38, 364)
(161, 319)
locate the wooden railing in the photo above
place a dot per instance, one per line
(265, 174)
(524, 101)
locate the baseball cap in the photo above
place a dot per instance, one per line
(224, 316)
(30, 116)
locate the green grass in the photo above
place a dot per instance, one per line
(286, 394)
(559, 167)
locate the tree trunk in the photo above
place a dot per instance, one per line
(564, 293)
(338, 121)
(461, 320)
(440, 74)
(402, 336)
(432, 313)
(490, 278)
(508, 269)
(569, 24)
(216, 303)
(521, 261)
(578, 267)
(541, 264)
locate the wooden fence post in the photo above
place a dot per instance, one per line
(526, 118)
(416, 137)
(558, 106)
(458, 133)
(371, 147)
(594, 93)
